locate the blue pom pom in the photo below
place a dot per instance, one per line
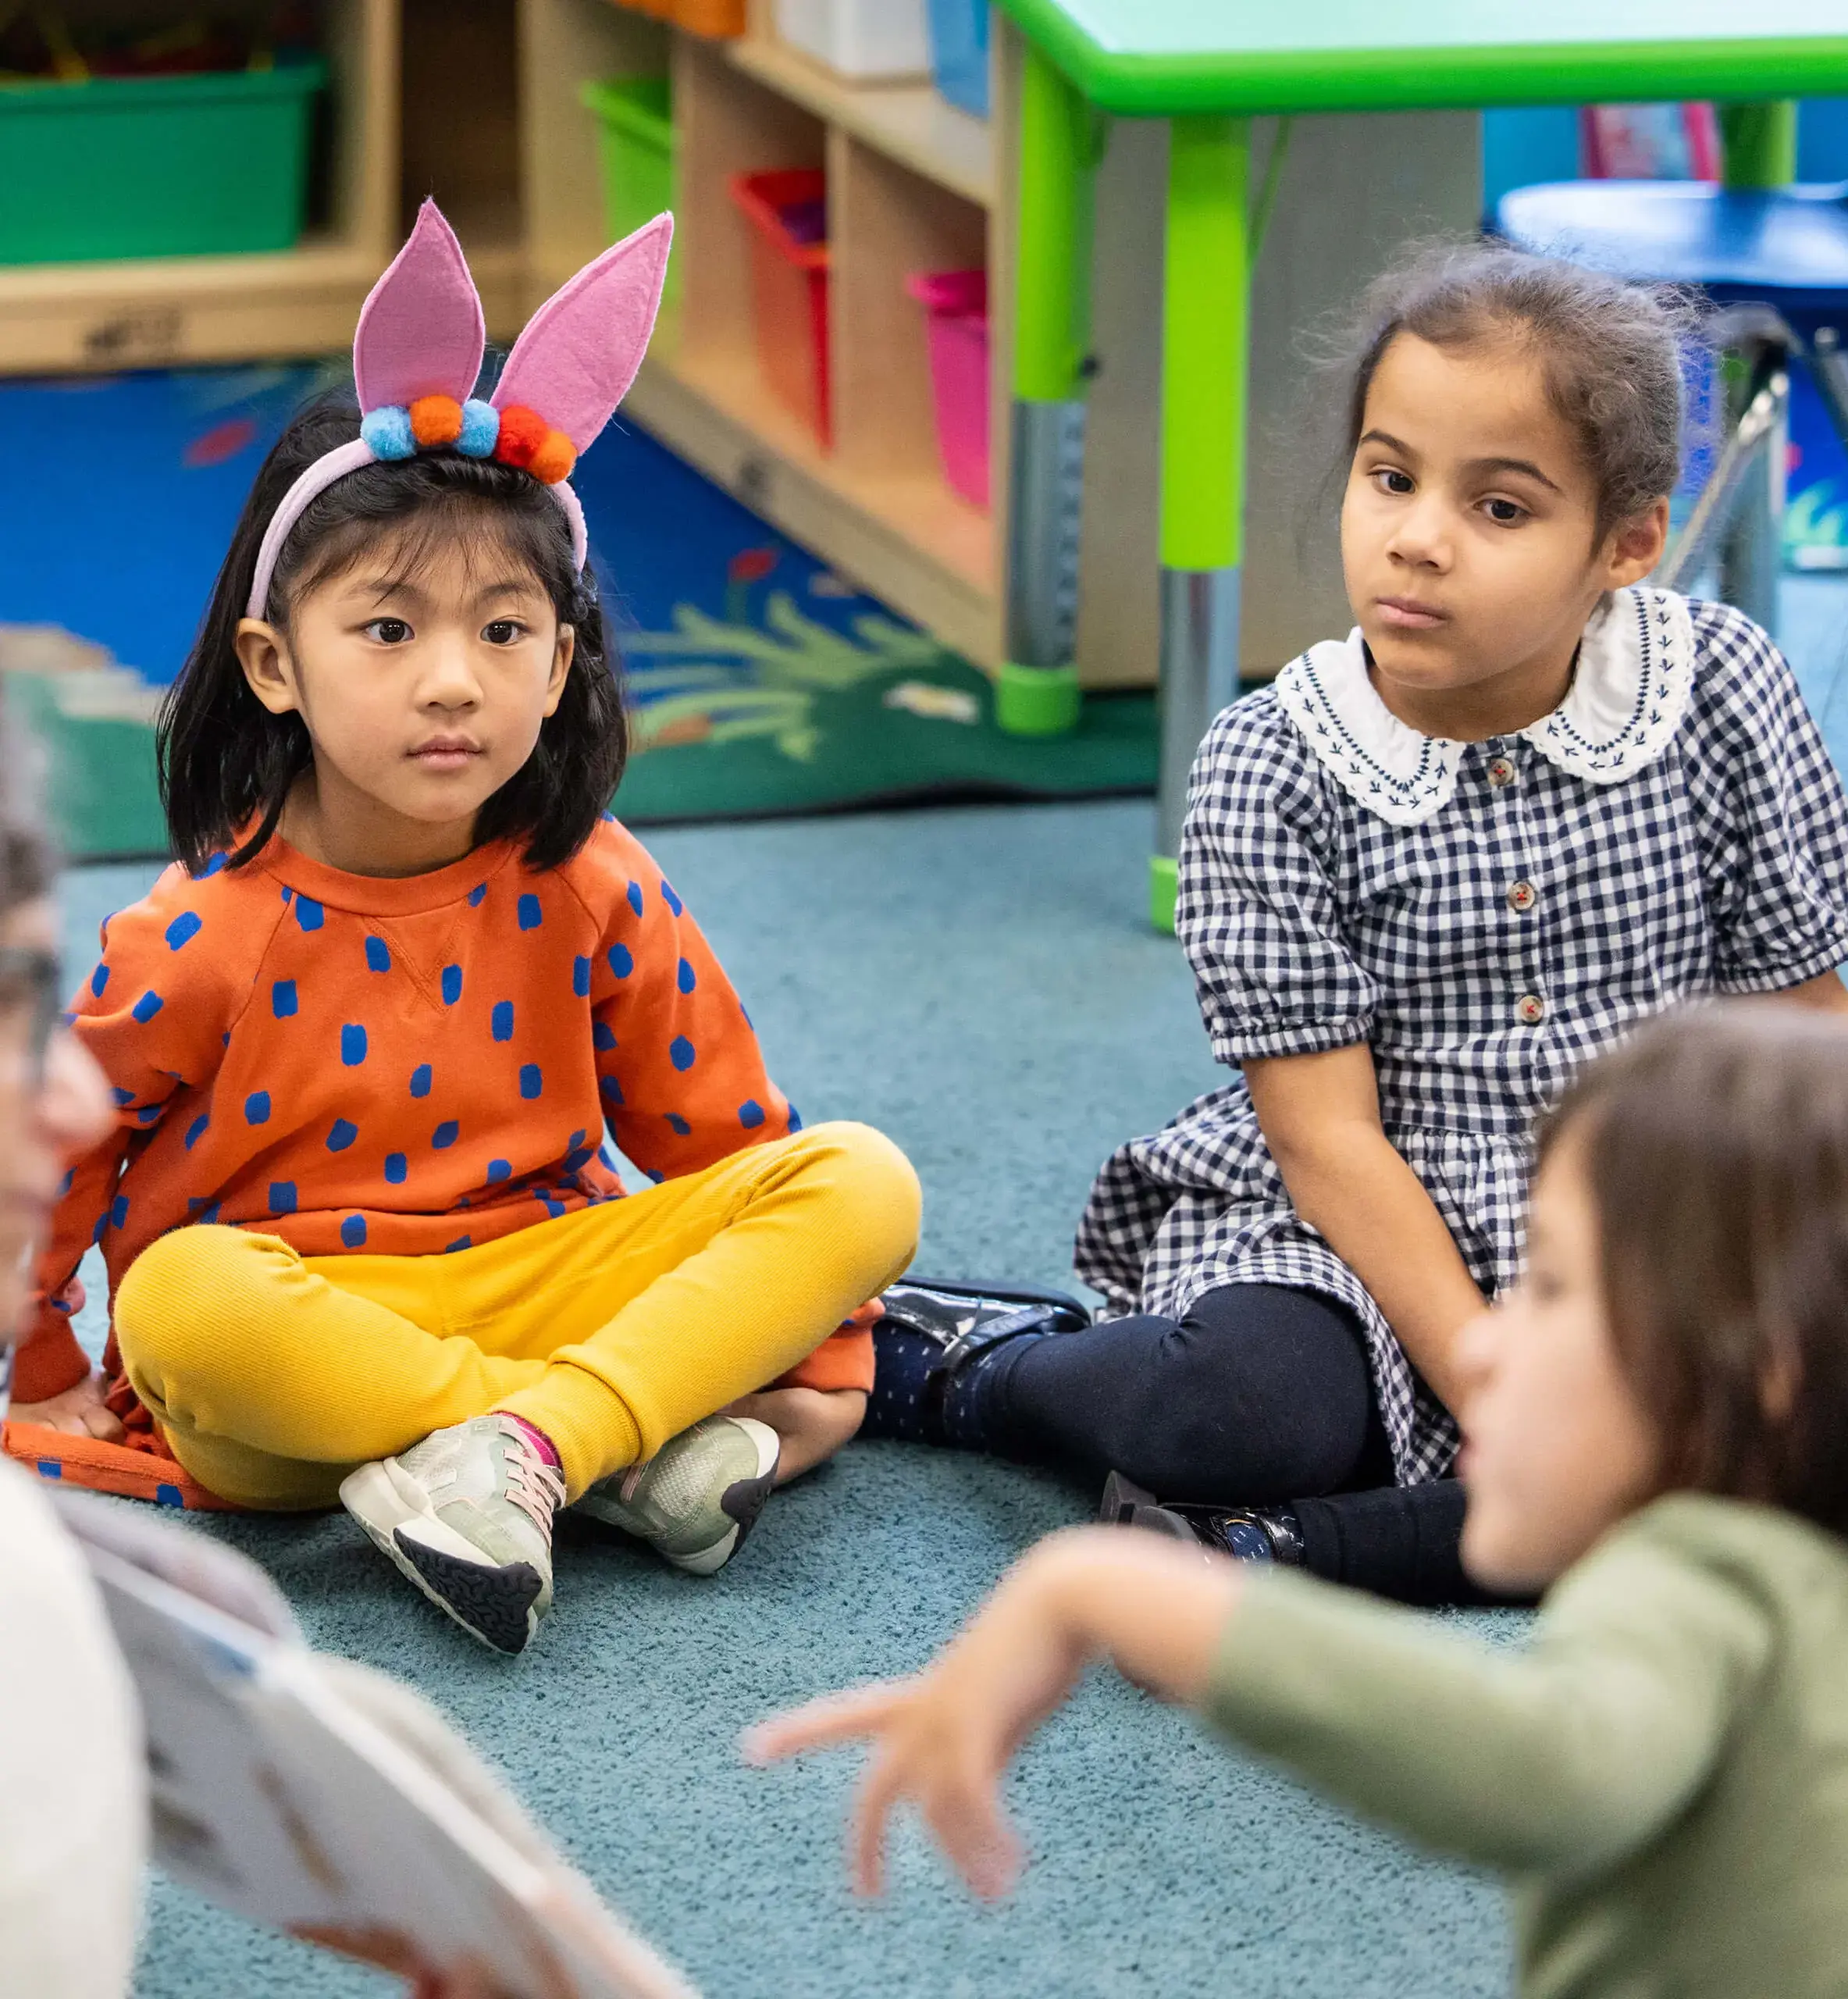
(480, 430)
(388, 431)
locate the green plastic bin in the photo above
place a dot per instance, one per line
(635, 143)
(155, 166)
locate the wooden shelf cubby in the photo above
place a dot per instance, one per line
(911, 182)
(167, 311)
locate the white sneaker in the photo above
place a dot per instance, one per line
(698, 1497)
(467, 1515)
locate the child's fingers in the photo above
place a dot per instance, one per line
(880, 1790)
(834, 1718)
(964, 1814)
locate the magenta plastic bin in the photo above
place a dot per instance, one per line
(957, 329)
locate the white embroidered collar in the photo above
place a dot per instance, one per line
(1636, 671)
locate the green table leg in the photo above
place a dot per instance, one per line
(1038, 692)
(1758, 143)
(1205, 298)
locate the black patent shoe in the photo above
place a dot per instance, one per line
(959, 1321)
(1247, 1534)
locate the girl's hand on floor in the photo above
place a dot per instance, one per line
(78, 1412)
(942, 1739)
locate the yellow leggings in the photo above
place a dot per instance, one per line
(611, 1328)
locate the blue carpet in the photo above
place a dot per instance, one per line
(980, 983)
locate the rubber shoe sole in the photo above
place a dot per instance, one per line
(1125, 1504)
(494, 1605)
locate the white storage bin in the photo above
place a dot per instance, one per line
(862, 39)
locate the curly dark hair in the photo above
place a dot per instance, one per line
(227, 763)
(1610, 351)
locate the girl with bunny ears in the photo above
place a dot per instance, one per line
(363, 1233)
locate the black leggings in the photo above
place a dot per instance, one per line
(1260, 1396)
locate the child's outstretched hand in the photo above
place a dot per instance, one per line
(942, 1739)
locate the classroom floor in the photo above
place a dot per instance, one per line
(980, 982)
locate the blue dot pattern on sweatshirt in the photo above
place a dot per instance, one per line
(352, 1045)
(378, 958)
(123, 1097)
(580, 978)
(149, 1114)
(281, 1197)
(445, 1135)
(530, 914)
(500, 1020)
(397, 1166)
(476, 895)
(147, 1006)
(98, 979)
(462, 1241)
(308, 913)
(635, 897)
(352, 1231)
(668, 897)
(531, 1082)
(420, 1080)
(256, 1107)
(686, 978)
(213, 864)
(118, 1212)
(621, 960)
(202, 1210)
(678, 1124)
(183, 928)
(283, 1000)
(603, 1037)
(608, 1086)
(681, 1052)
(750, 1114)
(196, 1131)
(499, 1169)
(452, 984)
(342, 1135)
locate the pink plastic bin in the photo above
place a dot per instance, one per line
(787, 213)
(957, 302)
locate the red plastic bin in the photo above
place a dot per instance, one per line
(957, 330)
(788, 214)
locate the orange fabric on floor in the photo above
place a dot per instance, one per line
(400, 1066)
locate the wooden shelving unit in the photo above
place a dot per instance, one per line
(912, 185)
(159, 311)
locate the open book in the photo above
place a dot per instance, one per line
(317, 1797)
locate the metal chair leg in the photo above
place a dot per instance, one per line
(1740, 511)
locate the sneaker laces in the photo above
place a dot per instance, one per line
(535, 1487)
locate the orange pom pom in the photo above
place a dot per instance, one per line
(522, 433)
(553, 459)
(435, 420)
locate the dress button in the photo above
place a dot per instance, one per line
(1521, 897)
(1501, 771)
(1530, 1009)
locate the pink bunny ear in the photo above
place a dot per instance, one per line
(579, 353)
(420, 330)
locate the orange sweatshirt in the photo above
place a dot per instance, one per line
(402, 1067)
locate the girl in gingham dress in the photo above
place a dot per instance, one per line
(1434, 867)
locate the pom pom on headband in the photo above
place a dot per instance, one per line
(418, 351)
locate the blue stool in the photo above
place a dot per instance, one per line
(1775, 261)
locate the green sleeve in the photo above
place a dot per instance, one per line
(1565, 1756)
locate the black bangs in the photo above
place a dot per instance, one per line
(227, 763)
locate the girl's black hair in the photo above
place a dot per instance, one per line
(1611, 353)
(226, 764)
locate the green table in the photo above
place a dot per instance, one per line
(1210, 66)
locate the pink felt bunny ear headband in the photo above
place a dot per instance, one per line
(418, 351)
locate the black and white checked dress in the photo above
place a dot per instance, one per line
(1486, 916)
